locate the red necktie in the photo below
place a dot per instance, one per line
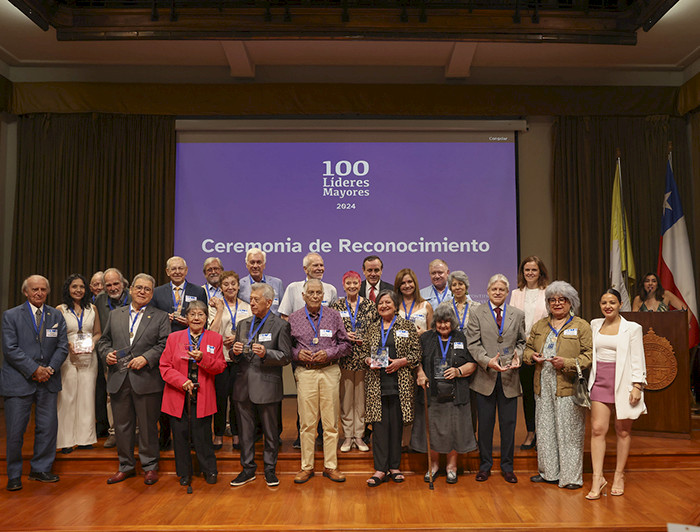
(372, 294)
(499, 320)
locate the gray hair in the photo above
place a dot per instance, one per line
(125, 283)
(255, 251)
(435, 262)
(565, 290)
(99, 274)
(144, 276)
(196, 305)
(209, 261)
(266, 289)
(24, 283)
(496, 278)
(171, 259)
(391, 294)
(445, 312)
(460, 276)
(311, 281)
(307, 259)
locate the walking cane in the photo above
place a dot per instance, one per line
(189, 434)
(427, 436)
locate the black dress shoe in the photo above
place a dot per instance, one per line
(42, 476)
(540, 478)
(572, 487)
(510, 477)
(210, 478)
(185, 481)
(217, 446)
(14, 484)
(482, 476)
(67, 450)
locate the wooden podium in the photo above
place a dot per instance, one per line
(667, 395)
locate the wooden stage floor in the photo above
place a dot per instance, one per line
(663, 485)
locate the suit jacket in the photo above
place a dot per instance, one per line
(23, 354)
(149, 342)
(102, 302)
(630, 366)
(482, 339)
(260, 379)
(174, 369)
(382, 286)
(274, 282)
(163, 300)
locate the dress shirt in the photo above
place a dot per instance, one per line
(336, 345)
(135, 326)
(276, 284)
(368, 288)
(293, 299)
(429, 295)
(212, 291)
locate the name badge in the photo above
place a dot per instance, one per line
(459, 345)
(344, 314)
(402, 333)
(52, 333)
(243, 311)
(324, 302)
(276, 301)
(326, 333)
(571, 332)
(188, 299)
(210, 349)
(265, 337)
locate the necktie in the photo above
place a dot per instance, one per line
(499, 319)
(372, 294)
(38, 319)
(178, 297)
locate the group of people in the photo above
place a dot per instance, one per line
(181, 362)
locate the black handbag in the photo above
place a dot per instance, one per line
(581, 394)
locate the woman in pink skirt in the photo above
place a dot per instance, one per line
(617, 380)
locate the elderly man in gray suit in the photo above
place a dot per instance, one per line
(35, 344)
(131, 346)
(263, 345)
(496, 340)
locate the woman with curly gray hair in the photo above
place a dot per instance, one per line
(555, 345)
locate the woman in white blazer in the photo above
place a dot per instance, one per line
(618, 377)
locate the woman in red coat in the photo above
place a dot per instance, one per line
(190, 361)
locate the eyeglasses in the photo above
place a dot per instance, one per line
(141, 288)
(560, 300)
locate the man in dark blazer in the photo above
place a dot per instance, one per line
(496, 340)
(264, 345)
(173, 298)
(131, 346)
(35, 344)
(372, 268)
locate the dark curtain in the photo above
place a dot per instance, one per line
(584, 169)
(93, 191)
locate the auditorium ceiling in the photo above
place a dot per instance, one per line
(583, 42)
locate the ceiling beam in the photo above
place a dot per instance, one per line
(460, 61)
(239, 60)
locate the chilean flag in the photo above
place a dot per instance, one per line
(675, 268)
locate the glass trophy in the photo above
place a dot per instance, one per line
(82, 343)
(186, 348)
(441, 366)
(124, 356)
(380, 358)
(505, 356)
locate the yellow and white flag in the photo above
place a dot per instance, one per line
(621, 259)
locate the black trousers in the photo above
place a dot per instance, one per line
(246, 413)
(386, 435)
(527, 381)
(201, 437)
(507, 417)
(101, 418)
(223, 382)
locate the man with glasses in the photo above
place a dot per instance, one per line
(212, 272)
(130, 346)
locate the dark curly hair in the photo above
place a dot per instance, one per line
(67, 299)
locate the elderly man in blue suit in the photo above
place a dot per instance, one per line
(35, 344)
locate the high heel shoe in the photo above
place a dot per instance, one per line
(531, 445)
(602, 483)
(618, 485)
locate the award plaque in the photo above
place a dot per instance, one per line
(380, 358)
(505, 356)
(440, 368)
(247, 349)
(124, 356)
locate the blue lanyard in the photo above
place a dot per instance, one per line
(385, 336)
(503, 319)
(252, 332)
(313, 326)
(233, 315)
(407, 313)
(466, 311)
(437, 295)
(41, 321)
(189, 335)
(131, 329)
(109, 302)
(353, 317)
(444, 348)
(79, 318)
(184, 285)
(556, 333)
(216, 291)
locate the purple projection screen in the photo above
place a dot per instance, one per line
(408, 202)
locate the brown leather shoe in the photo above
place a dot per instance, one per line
(303, 476)
(120, 476)
(150, 477)
(334, 474)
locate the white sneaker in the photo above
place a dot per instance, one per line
(361, 445)
(346, 446)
